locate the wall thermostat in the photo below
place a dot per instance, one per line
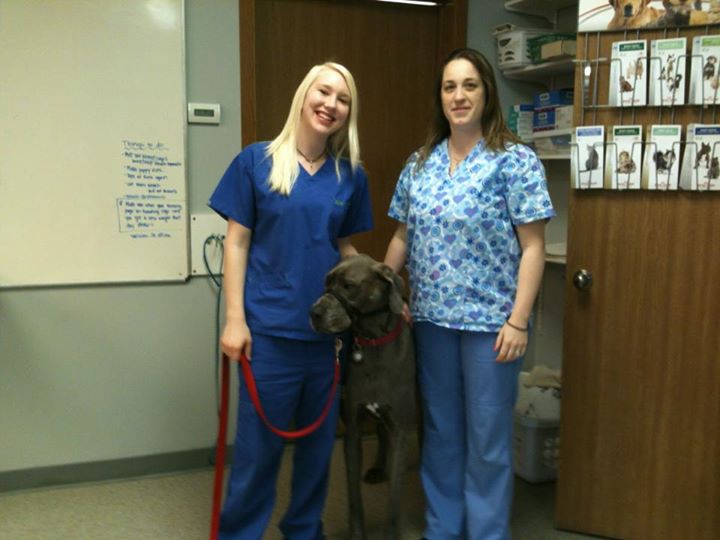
(203, 113)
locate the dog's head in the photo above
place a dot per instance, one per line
(681, 7)
(357, 286)
(628, 8)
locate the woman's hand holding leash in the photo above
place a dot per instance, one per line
(236, 340)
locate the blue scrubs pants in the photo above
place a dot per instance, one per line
(468, 401)
(294, 379)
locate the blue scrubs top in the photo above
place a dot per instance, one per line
(463, 252)
(294, 238)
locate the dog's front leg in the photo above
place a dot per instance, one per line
(398, 437)
(353, 469)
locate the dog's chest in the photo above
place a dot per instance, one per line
(381, 373)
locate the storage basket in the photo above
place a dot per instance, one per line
(536, 447)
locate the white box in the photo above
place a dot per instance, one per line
(587, 157)
(628, 74)
(536, 448)
(700, 168)
(704, 68)
(668, 65)
(662, 157)
(624, 158)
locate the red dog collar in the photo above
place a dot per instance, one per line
(387, 338)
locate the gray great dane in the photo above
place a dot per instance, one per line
(365, 296)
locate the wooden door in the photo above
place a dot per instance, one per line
(640, 455)
(392, 50)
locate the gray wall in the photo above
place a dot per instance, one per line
(103, 373)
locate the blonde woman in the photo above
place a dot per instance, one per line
(291, 206)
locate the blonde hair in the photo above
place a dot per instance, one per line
(344, 143)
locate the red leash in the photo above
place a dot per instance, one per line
(223, 417)
(220, 448)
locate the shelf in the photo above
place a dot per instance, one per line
(543, 8)
(545, 156)
(540, 72)
(556, 253)
(552, 133)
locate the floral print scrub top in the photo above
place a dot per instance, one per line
(463, 253)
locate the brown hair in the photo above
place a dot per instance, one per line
(495, 132)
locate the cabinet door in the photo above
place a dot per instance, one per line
(640, 455)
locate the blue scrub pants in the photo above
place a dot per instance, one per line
(468, 401)
(294, 379)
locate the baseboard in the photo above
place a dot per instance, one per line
(114, 469)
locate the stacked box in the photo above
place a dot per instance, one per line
(536, 44)
(536, 445)
(558, 49)
(520, 120)
(553, 98)
(552, 119)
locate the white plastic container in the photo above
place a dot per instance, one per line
(536, 447)
(512, 45)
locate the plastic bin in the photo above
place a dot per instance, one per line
(512, 45)
(536, 445)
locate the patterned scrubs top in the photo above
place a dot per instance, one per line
(463, 253)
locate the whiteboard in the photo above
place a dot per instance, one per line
(92, 142)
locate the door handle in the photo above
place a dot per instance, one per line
(582, 279)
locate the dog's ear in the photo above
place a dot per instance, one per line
(397, 287)
(612, 3)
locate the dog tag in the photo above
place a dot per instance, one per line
(357, 354)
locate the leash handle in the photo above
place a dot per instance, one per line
(220, 448)
(255, 398)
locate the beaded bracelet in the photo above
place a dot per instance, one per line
(511, 325)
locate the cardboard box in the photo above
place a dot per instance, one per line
(551, 119)
(553, 98)
(558, 49)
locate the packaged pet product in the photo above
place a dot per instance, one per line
(668, 63)
(700, 169)
(624, 158)
(704, 70)
(520, 120)
(662, 157)
(587, 157)
(628, 74)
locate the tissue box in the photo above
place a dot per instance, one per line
(536, 448)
